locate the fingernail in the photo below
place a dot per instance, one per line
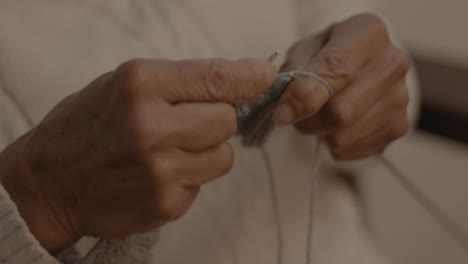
(283, 115)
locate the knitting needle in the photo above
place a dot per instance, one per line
(273, 56)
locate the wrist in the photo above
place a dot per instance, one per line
(32, 206)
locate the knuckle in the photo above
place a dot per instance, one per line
(130, 73)
(215, 79)
(302, 98)
(128, 79)
(337, 66)
(341, 114)
(399, 62)
(373, 22)
(376, 22)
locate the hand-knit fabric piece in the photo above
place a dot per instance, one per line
(135, 250)
(17, 244)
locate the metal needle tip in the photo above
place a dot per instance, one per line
(274, 56)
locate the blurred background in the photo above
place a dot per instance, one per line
(436, 156)
(435, 32)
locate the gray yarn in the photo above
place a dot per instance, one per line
(254, 120)
(255, 124)
(275, 206)
(135, 249)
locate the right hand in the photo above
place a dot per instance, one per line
(129, 152)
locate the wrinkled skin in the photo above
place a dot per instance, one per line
(367, 73)
(129, 152)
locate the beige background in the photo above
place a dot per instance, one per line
(404, 230)
(438, 30)
(433, 28)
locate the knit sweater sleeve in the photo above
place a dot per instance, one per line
(19, 246)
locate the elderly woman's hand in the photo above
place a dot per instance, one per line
(367, 73)
(129, 152)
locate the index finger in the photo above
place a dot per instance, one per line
(351, 45)
(216, 80)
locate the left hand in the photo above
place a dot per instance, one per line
(367, 73)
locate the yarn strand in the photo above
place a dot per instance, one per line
(312, 197)
(275, 205)
(257, 136)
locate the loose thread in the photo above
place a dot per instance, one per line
(275, 205)
(259, 140)
(312, 197)
(450, 226)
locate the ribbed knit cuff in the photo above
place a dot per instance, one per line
(17, 244)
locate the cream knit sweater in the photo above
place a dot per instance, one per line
(51, 48)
